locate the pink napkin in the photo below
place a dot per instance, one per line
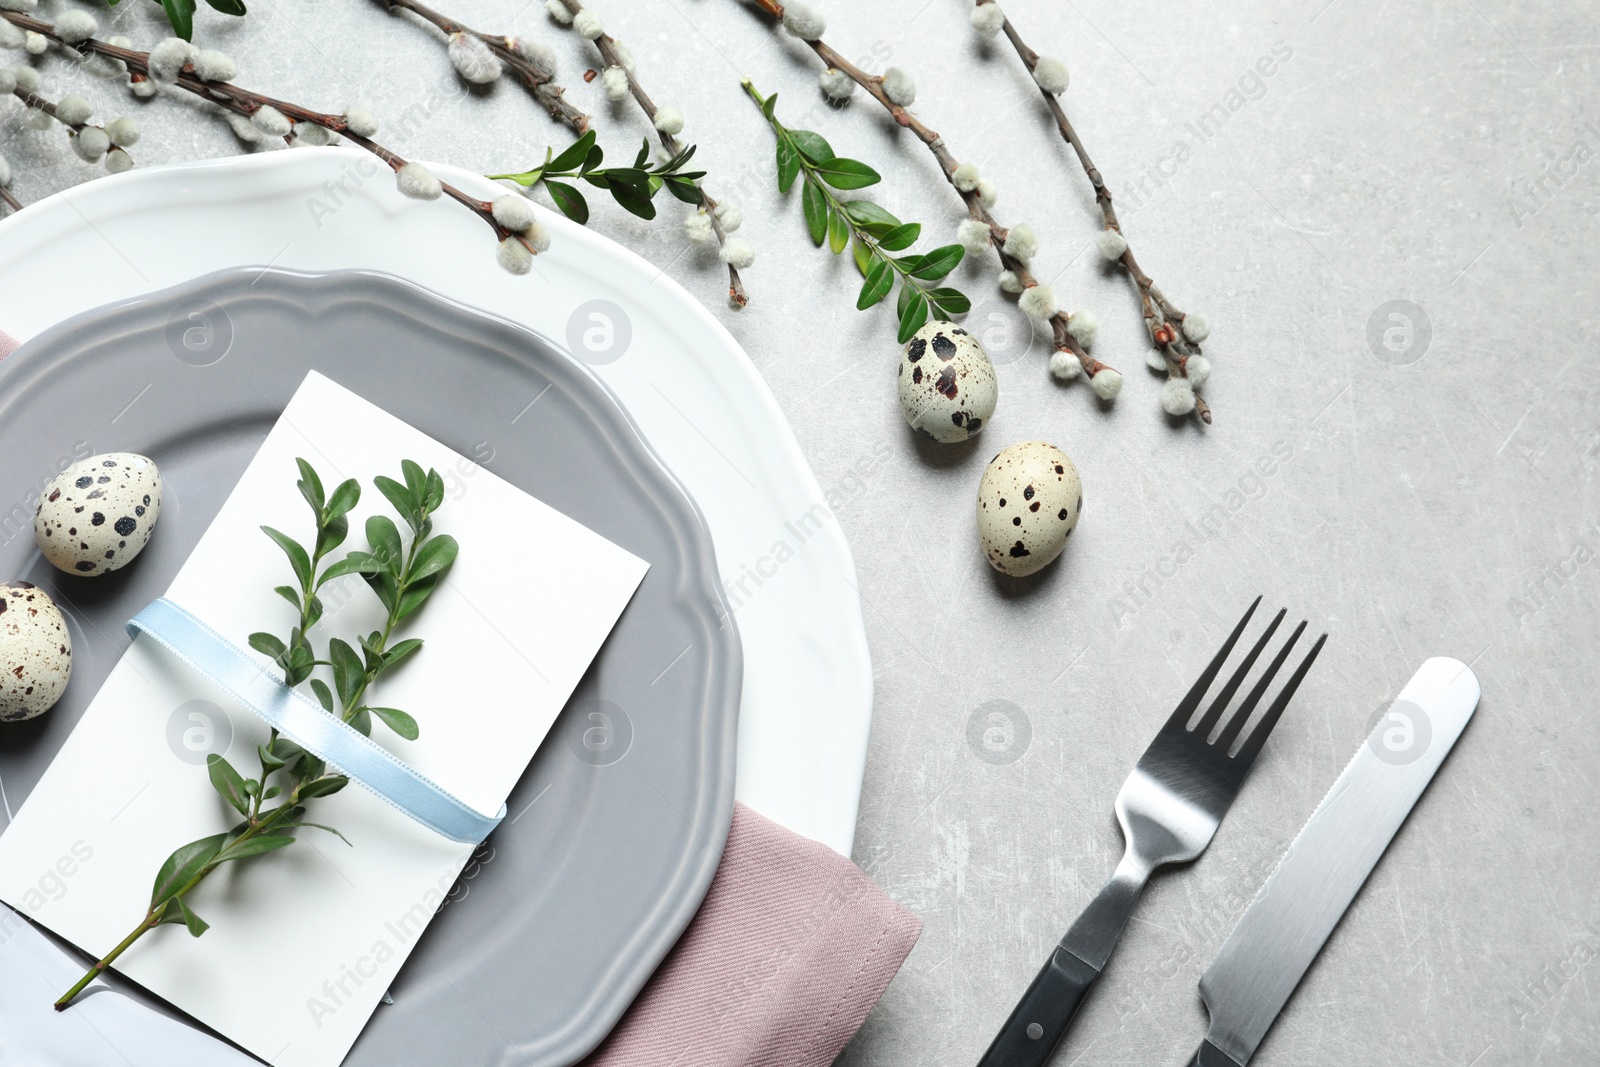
(790, 951)
(8, 344)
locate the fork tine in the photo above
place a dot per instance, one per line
(1191, 700)
(1258, 736)
(1231, 731)
(1213, 714)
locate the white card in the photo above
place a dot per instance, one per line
(304, 941)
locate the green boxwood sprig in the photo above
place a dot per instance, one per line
(632, 187)
(403, 577)
(871, 233)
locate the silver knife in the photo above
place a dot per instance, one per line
(1284, 928)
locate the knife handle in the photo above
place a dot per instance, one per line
(1041, 1017)
(1209, 1055)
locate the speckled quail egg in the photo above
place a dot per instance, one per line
(1028, 504)
(97, 515)
(35, 652)
(947, 384)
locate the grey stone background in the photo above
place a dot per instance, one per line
(1438, 500)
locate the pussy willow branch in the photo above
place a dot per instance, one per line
(947, 163)
(36, 102)
(1158, 310)
(246, 102)
(612, 57)
(540, 82)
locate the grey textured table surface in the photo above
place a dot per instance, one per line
(1437, 501)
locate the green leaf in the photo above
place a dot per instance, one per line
(403, 500)
(788, 164)
(180, 13)
(300, 665)
(330, 830)
(907, 293)
(228, 783)
(632, 195)
(880, 279)
(370, 654)
(313, 611)
(874, 219)
(272, 791)
(838, 231)
(298, 559)
(332, 535)
(416, 479)
(349, 674)
(415, 596)
(324, 694)
(268, 645)
(862, 256)
(196, 925)
(398, 721)
(227, 7)
(181, 867)
(573, 154)
(433, 495)
(812, 145)
(569, 200)
(816, 212)
(323, 787)
(901, 237)
(950, 301)
(401, 652)
(289, 593)
(686, 190)
(384, 586)
(848, 174)
(938, 263)
(270, 761)
(383, 537)
(434, 557)
(310, 486)
(354, 563)
(912, 319)
(361, 722)
(255, 846)
(346, 495)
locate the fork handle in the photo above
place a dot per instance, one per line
(1042, 1016)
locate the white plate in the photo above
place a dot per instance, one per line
(807, 700)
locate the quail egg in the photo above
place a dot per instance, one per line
(947, 384)
(97, 515)
(1028, 504)
(35, 652)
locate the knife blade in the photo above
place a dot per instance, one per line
(1285, 926)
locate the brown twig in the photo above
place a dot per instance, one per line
(1163, 321)
(8, 200)
(947, 162)
(612, 57)
(538, 81)
(246, 102)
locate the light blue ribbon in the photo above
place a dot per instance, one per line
(297, 717)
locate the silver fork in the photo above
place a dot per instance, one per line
(1169, 809)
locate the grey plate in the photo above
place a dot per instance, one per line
(616, 829)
